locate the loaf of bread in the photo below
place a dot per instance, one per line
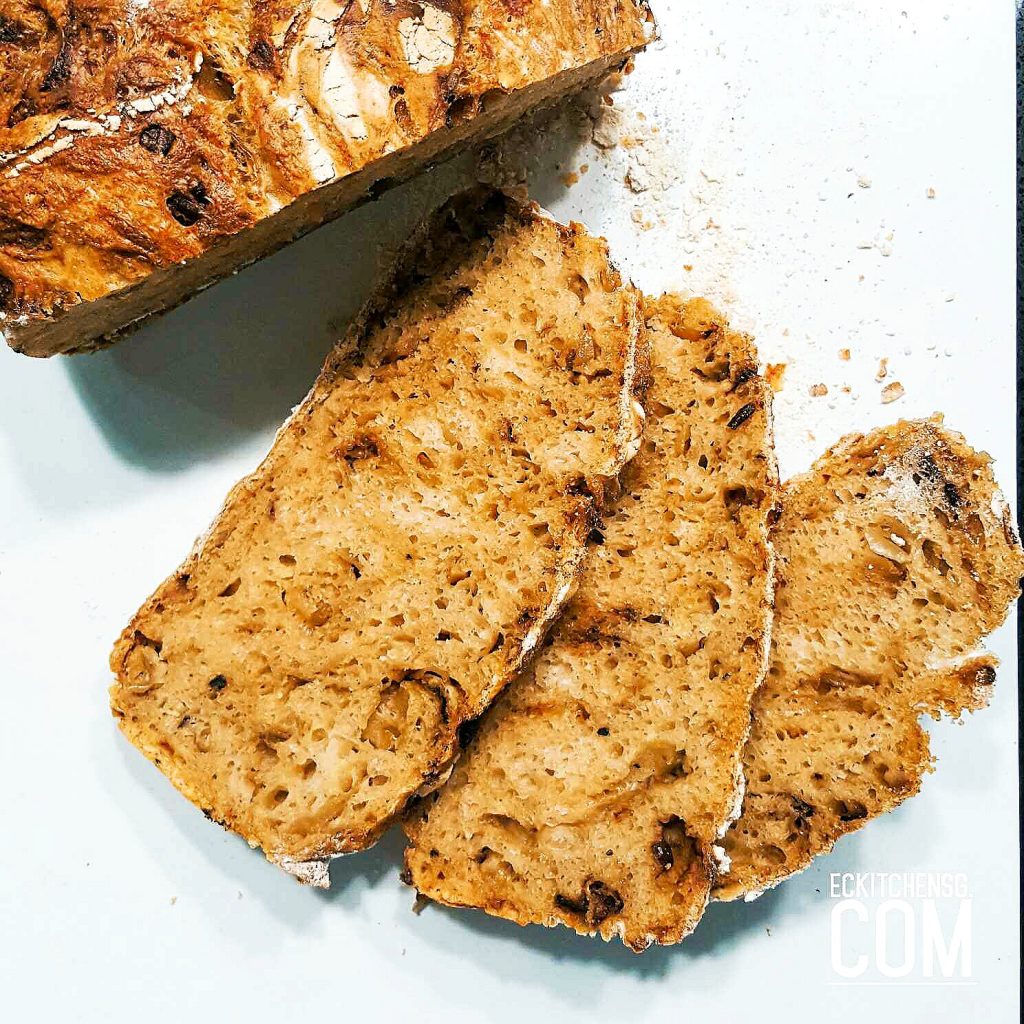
(148, 149)
(601, 781)
(405, 545)
(896, 556)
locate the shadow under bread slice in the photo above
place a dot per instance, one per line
(896, 556)
(418, 523)
(598, 785)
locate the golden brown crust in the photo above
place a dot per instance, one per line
(135, 137)
(405, 545)
(601, 781)
(897, 556)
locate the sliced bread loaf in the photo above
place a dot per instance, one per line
(404, 546)
(600, 782)
(148, 149)
(896, 556)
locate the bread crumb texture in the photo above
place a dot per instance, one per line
(135, 136)
(597, 786)
(896, 556)
(420, 519)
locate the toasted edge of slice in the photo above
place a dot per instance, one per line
(474, 216)
(600, 783)
(897, 555)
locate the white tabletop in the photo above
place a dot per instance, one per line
(838, 175)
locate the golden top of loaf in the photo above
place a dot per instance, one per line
(136, 134)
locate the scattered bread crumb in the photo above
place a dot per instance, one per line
(640, 220)
(883, 371)
(892, 392)
(931, 193)
(688, 267)
(775, 374)
(420, 903)
(570, 179)
(174, 899)
(844, 354)
(819, 390)
(864, 182)
(606, 130)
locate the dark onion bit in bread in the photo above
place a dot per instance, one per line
(742, 416)
(662, 852)
(261, 56)
(157, 139)
(185, 207)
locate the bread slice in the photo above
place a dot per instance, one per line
(597, 787)
(404, 546)
(896, 555)
(150, 149)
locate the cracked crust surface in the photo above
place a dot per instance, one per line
(147, 149)
(404, 546)
(600, 782)
(896, 556)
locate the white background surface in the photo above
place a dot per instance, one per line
(119, 901)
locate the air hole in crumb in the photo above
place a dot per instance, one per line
(578, 286)
(933, 556)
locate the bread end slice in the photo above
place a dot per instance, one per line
(897, 555)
